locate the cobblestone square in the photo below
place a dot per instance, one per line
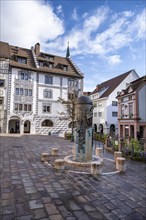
(31, 189)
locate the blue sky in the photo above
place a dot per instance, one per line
(106, 38)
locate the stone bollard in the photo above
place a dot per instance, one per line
(99, 152)
(117, 154)
(54, 152)
(121, 164)
(96, 168)
(59, 164)
(44, 157)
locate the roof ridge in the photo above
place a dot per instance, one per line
(126, 73)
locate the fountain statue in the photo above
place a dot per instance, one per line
(83, 129)
(83, 157)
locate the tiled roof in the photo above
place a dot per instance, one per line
(134, 85)
(4, 50)
(16, 52)
(111, 84)
(21, 52)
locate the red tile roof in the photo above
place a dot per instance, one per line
(110, 84)
(16, 52)
(134, 85)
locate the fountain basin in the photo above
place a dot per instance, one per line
(70, 160)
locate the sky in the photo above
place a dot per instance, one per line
(106, 38)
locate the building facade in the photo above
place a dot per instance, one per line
(34, 84)
(132, 110)
(105, 113)
(4, 70)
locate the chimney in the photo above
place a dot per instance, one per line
(37, 49)
(97, 87)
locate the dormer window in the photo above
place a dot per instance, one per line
(22, 60)
(50, 65)
(65, 68)
(41, 63)
(49, 57)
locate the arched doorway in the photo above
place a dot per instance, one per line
(101, 128)
(27, 126)
(112, 129)
(14, 125)
(95, 128)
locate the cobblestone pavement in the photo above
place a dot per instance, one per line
(32, 190)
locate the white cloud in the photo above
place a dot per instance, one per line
(138, 26)
(60, 10)
(26, 27)
(93, 22)
(74, 15)
(39, 23)
(114, 59)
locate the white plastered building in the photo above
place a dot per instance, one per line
(105, 113)
(34, 84)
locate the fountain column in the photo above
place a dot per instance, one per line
(83, 129)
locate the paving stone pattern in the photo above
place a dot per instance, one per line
(33, 190)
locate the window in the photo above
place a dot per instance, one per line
(21, 91)
(29, 108)
(114, 103)
(2, 82)
(99, 104)
(22, 76)
(47, 123)
(25, 76)
(25, 107)
(48, 94)
(49, 57)
(41, 63)
(122, 111)
(30, 92)
(125, 99)
(65, 68)
(61, 81)
(130, 110)
(46, 108)
(114, 114)
(26, 92)
(20, 107)
(22, 60)
(50, 65)
(95, 114)
(16, 107)
(48, 80)
(16, 91)
(1, 101)
(72, 82)
(100, 114)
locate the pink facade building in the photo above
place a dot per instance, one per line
(132, 110)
